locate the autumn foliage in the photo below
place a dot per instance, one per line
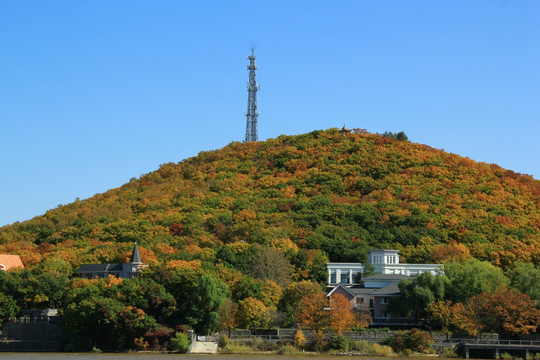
(263, 218)
(341, 314)
(299, 193)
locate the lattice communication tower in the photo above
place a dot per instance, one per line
(252, 114)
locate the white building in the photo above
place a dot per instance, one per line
(383, 262)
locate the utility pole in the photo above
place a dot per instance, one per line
(252, 114)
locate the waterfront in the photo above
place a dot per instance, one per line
(148, 356)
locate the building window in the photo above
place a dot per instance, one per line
(359, 300)
(357, 277)
(333, 277)
(344, 277)
(370, 303)
(384, 300)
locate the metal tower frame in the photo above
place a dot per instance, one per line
(252, 114)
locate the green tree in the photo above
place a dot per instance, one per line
(8, 307)
(180, 342)
(144, 293)
(109, 324)
(209, 296)
(472, 278)
(247, 287)
(525, 277)
(416, 295)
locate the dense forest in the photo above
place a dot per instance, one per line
(261, 217)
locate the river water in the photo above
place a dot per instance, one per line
(149, 356)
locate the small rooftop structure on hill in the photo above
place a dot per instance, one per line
(8, 262)
(125, 271)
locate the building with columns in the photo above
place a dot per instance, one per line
(373, 292)
(383, 262)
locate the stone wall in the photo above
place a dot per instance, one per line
(31, 334)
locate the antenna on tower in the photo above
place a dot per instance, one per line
(252, 114)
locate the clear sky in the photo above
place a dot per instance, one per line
(93, 93)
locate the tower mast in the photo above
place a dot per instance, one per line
(252, 114)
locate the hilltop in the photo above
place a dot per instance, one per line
(317, 196)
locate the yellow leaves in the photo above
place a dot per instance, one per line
(40, 298)
(284, 245)
(299, 338)
(112, 281)
(289, 192)
(269, 181)
(228, 275)
(238, 247)
(382, 195)
(271, 293)
(184, 264)
(165, 249)
(252, 312)
(245, 215)
(451, 252)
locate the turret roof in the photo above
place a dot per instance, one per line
(135, 257)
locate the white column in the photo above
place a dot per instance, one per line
(338, 276)
(350, 276)
(329, 275)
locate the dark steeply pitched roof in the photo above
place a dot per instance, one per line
(135, 257)
(98, 268)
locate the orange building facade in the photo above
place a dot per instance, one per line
(8, 262)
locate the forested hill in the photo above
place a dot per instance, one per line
(312, 196)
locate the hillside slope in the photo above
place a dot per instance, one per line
(322, 193)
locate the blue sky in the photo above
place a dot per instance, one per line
(93, 93)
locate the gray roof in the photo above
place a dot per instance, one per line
(97, 268)
(135, 257)
(388, 290)
(379, 277)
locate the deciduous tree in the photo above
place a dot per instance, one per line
(341, 315)
(313, 311)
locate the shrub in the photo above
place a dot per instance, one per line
(414, 340)
(381, 350)
(396, 342)
(234, 347)
(319, 341)
(364, 348)
(180, 342)
(339, 342)
(223, 341)
(449, 352)
(288, 350)
(419, 341)
(505, 356)
(299, 339)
